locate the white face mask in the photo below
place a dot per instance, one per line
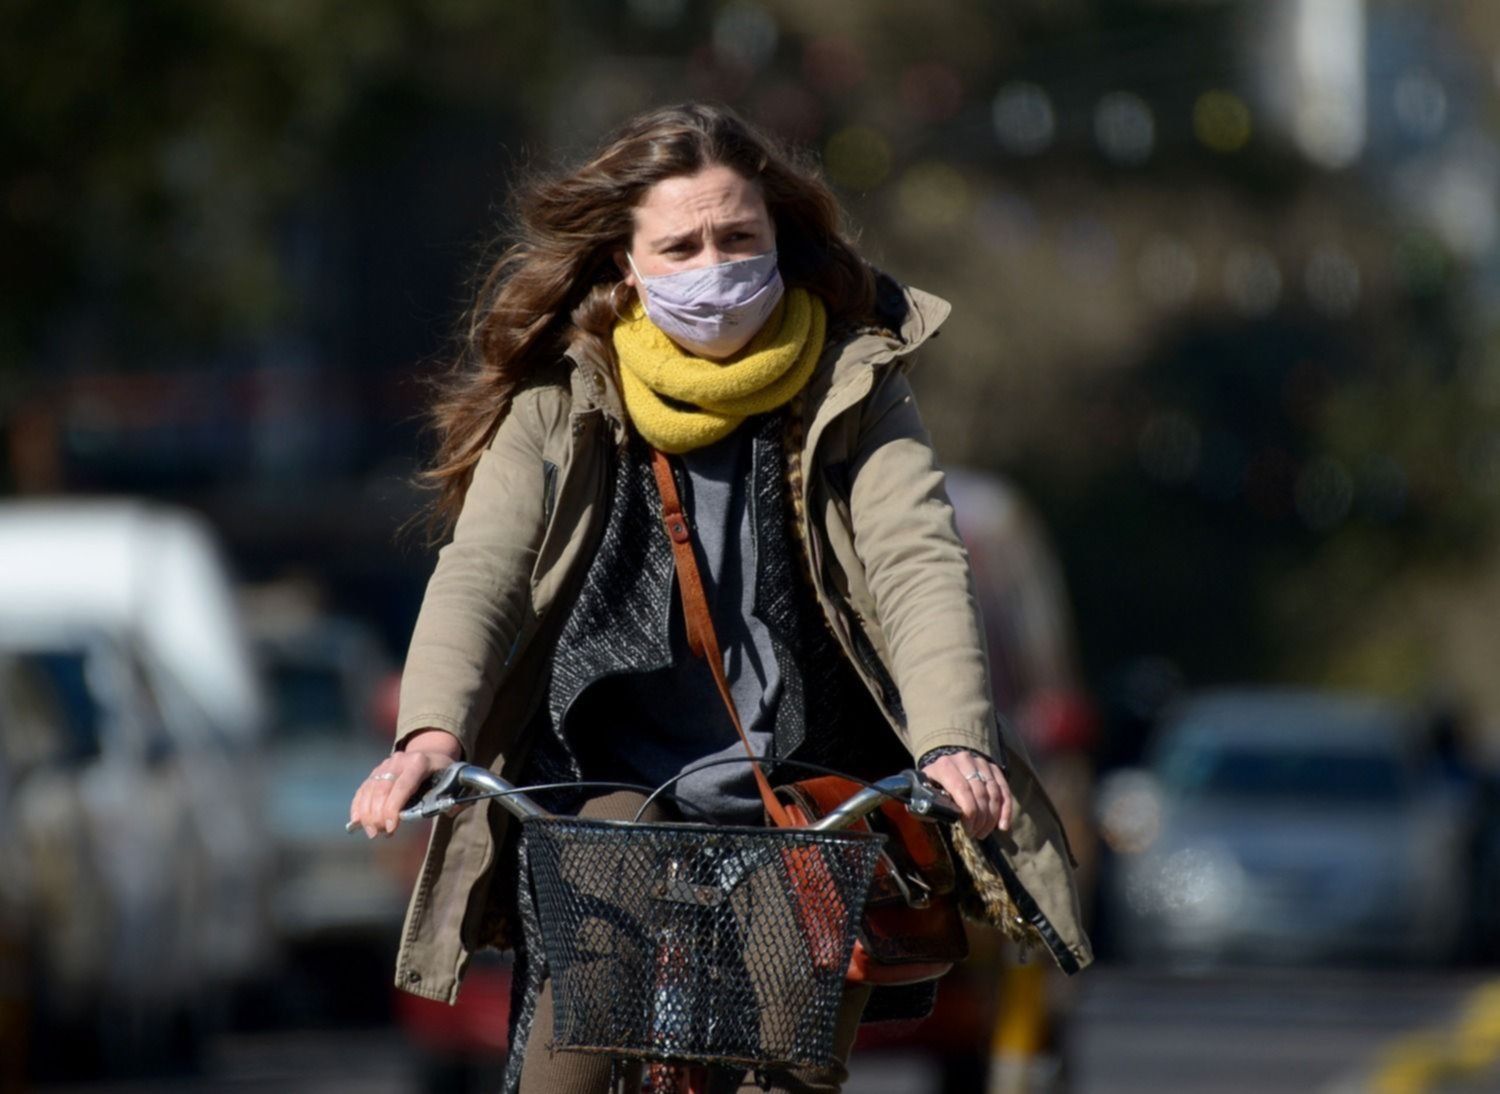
(713, 310)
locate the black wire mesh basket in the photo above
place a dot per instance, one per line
(698, 943)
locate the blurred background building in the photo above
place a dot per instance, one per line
(1227, 315)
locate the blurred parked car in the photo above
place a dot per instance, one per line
(327, 679)
(150, 579)
(1287, 826)
(106, 866)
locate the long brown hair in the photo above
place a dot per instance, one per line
(551, 286)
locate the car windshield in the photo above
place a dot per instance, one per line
(1308, 776)
(63, 686)
(310, 701)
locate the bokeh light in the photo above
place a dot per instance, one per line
(1460, 201)
(858, 158)
(1125, 128)
(1221, 121)
(934, 196)
(1023, 118)
(1332, 281)
(745, 32)
(1129, 811)
(1331, 134)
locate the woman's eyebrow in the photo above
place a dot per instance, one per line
(748, 224)
(663, 242)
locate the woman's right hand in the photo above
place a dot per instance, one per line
(380, 798)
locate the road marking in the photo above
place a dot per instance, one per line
(1424, 1061)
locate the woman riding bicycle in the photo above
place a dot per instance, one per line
(688, 290)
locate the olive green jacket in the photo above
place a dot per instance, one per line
(887, 565)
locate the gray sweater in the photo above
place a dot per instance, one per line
(679, 715)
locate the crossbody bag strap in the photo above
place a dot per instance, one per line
(697, 618)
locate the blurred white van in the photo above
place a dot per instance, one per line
(148, 569)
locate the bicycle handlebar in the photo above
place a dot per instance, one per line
(461, 783)
(925, 799)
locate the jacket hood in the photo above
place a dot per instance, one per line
(905, 318)
(906, 313)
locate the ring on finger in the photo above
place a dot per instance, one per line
(977, 776)
(384, 776)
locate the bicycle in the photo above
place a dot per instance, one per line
(687, 946)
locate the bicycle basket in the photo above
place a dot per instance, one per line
(698, 943)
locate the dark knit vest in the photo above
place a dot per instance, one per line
(626, 619)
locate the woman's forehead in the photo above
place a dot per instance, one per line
(715, 193)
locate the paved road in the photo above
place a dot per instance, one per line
(1254, 1032)
(1240, 1033)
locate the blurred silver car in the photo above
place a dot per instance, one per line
(1285, 826)
(325, 678)
(103, 867)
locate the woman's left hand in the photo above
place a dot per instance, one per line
(978, 787)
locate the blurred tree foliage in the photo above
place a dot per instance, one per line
(151, 147)
(1243, 488)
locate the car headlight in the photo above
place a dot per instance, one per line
(1195, 882)
(1128, 808)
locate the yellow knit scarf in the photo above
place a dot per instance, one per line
(680, 402)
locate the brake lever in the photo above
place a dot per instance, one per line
(437, 794)
(930, 801)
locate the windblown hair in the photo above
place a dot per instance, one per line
(551, 287)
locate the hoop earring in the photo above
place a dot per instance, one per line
(614, 304)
